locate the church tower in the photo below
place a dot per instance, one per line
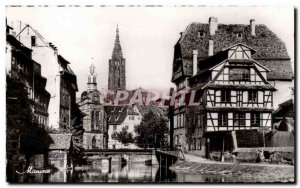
(116, 75)
(92, 79)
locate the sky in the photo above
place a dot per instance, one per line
(85, 35)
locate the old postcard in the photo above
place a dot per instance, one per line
(150, 94)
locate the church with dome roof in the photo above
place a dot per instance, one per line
(94, 122)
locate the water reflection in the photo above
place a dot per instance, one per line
(139, 172)
(130, 173)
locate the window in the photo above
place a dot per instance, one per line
(255, 119)
(132, 117)
(97, 120)
(252, 96)
(92, 119)
(33, 41)
(239, 35)
(239, 120)
(225, 95)
(239, 74)
(201, 34)
(114, 127)
(223, 119)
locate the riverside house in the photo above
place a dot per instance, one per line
(240, 72)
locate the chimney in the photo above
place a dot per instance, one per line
(210, 47)
(252, 27)
(213, 25)
(195, 62)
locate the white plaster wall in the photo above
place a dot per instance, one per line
(283, 93)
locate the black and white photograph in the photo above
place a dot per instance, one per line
(132, 94)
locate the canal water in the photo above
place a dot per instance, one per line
(134, 173)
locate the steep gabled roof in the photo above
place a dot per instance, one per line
(265, 42)
(116, 114)
(271, 51)
(285, 109)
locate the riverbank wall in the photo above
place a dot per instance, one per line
(272, 155)
(244, 172)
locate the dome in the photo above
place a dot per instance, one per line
(92, 96)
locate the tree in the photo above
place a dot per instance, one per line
(77, 135)
(124, 136)
(150, 133)
(34, 139)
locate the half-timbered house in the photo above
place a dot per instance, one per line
(239, 72)
(235, 99)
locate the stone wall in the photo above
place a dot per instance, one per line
(88, 137)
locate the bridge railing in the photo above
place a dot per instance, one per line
(174, 151)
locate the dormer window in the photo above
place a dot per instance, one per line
(239, 74)
(33, 41)
(239, 35)
(201, 34)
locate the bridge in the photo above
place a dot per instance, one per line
(167, 157)
(91, 152)
(164, 156)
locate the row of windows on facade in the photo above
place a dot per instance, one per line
(196, 143)
(180, 121)
(239, 119)
(226, 96)
(41, 108)
(235, 74)
(40, 119)
(41, 100)
(133, 117)
(21, 66)
(116, 126)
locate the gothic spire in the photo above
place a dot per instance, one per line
(92, 69)
(117, 52)
(92, 78)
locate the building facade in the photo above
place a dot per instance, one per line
(22, 68)
(61, 80)
(41, 96)
(117, 70)
(120, 117)
(234, 71)
(94, 121)
(27, 99)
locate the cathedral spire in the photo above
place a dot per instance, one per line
(116, 74)
(117, 52)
